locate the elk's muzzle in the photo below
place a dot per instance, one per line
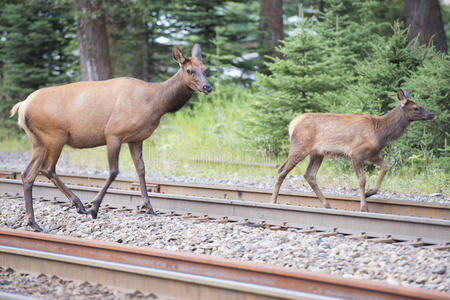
(207, 88)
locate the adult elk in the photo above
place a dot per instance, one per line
(91, 114)
(355, 136)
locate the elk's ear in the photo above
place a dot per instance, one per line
(177, 55)
(406, 93)
(401, 96)
(197, 52)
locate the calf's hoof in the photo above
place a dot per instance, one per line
(371, 192)
(150, 211)
(364, 208)
(93, 213)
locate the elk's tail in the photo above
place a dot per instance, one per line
(15, 109)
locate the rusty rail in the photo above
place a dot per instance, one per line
(254, 281)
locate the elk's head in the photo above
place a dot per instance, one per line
(412, 110)
(194, 72)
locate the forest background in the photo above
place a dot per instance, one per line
(269, 60)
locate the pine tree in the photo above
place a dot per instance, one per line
(34, 48)
(429, 85)
(298, 83)
(384, 71)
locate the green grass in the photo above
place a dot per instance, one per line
(211, 130)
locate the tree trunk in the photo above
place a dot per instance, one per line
(145, 54)
(92, 40)
(424, 18)
(271, 24)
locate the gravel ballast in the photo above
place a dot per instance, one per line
(393, 264)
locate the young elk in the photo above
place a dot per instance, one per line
(110, 112)
(355, 136)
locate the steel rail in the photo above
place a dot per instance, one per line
(176, 273)
(384, 206)
(400, 228)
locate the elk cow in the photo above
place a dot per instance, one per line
(95, 113)
(358, 137)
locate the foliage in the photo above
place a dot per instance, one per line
(163, 24)
(346, 64)
(312, 69)
(35, 45)
(430, 86)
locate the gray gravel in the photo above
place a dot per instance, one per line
(394, 264)
(42, 286)
(19, 160)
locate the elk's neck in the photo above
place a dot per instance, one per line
(172, 94)
(391, 126)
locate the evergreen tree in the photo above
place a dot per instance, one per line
(34, 48)
(298, 83)
(395, 63)
(382, 73)
(139, 31)
(430, 87)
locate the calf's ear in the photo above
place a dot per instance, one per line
(406, 93)
(401, 96)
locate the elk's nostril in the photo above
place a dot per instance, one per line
(207, 88)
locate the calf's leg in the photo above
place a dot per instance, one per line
(315, 162)
(293, 159)
(113, 149)
(358, 164)
(136, 154)
(384, 168)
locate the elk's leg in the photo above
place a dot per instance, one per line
(113, 149)
(293, 159)
(136, 154)
(48, 169)
(28, 177)
(315, 161)
(384, 168)
(358, 164)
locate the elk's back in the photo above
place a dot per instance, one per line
(331, 134)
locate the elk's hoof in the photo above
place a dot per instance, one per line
(93, 213)
(364, 208)
(151, 212)
(35, 226)
(371, 192)
(81, 210)
(327, 205)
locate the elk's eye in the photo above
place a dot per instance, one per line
(189, 71)
(416, 108)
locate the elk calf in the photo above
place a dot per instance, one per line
(355, 136)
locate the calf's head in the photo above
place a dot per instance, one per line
(194, 72)
(412, 110)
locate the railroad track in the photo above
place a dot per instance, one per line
(388, 228)
(383, 206)
(182, 275)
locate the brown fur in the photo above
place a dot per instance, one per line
(355, 136)
(110, 112)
